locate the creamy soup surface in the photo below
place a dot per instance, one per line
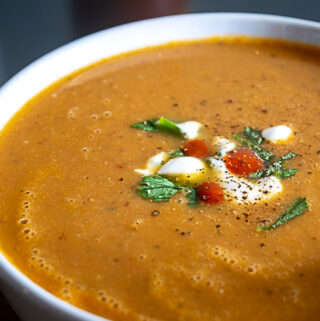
(71, 218)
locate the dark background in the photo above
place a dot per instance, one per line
(31, 28)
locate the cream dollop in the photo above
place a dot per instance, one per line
(277, 134)
(185, 165)
(190, 129)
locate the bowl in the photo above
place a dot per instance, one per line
(31, 302)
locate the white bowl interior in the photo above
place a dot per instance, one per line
(53, 66)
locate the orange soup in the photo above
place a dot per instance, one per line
(173, 183)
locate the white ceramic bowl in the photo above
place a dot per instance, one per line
(30, 301)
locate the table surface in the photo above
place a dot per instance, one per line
(55, 23)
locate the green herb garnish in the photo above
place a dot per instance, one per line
(263, 154)
(276, 168)
(176, 153)
(160, 189)
(254, 139)
(162, 124)
(297, 208)
(157, 188)
(286, 173)
(253, 135)
(168, 126)
(192, 196)
(147, 125)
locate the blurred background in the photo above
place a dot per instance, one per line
(31, 28)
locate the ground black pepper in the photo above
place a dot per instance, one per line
(155, 213)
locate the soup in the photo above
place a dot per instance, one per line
(172, 183)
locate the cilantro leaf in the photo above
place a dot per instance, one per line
(176, 153)
(192, 196)
(296, 209)
(254, 140)
(147, 125)
(264, 173)
(290, 155)
(157, 188)
(160, 189)
(277, 169)
(253, 135)
(162, 124)
(286, 173)
(263, 154)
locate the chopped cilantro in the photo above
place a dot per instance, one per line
(296, 209)
(290, 155)
(254, 140)
(276, 168)
(263, 154)
(253, 135)
(160, 189)
(176, 153)
(286, 173)
(192, 196)
(147, 125)
(162, 124)
(157, 188)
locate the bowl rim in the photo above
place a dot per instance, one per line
(11, 274)
(8, 90)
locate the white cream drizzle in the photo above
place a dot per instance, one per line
(223, 145)
(242, 190)
(153, 164)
